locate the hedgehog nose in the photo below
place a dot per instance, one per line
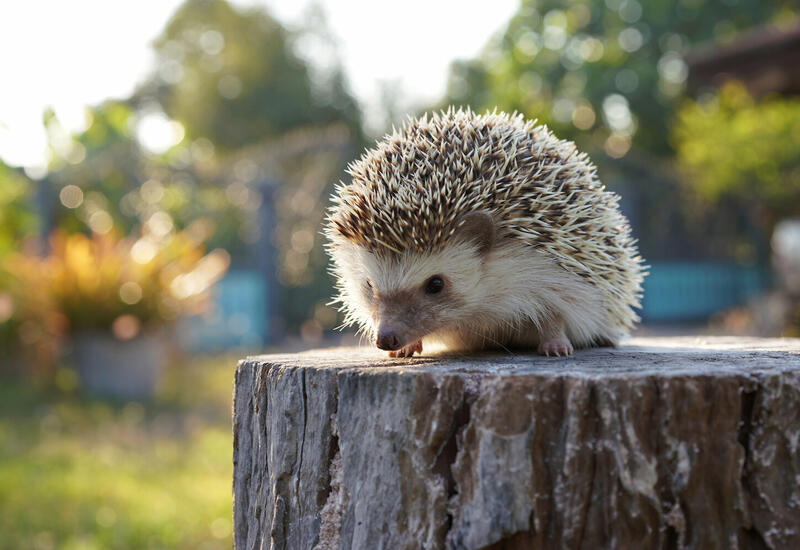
(387, 340)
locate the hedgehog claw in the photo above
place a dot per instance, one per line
(556, 347)
(407, 351)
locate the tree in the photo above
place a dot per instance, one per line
(101, 180)
(232, 76)
(600, 72)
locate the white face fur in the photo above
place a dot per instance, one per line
(412, 295)
(490, 293)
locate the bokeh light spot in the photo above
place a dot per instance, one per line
(159, 224)
(212, 42)
(302, 241)
(527, 46)
(101, 222)
(76, 153)
(630, 11)
(630, 39)
(71, 196)
(562, 109)
(592, 49)
(130, 292)
(554, 37)
(229, 86)
(143, 251)
(152, 191)
(202, 150)
(157, 134)
(617, 113)
(171, 71)
(583, 116)
(672, 68)
(531, 83)
(126, 327)
(238, 194)
(616, 146)
(581, 13)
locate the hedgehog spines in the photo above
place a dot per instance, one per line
(409, 193)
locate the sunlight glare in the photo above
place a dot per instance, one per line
(157, 134)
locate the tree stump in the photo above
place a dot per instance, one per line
(659, 443)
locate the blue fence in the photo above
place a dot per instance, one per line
(237, 317)
(682, 291)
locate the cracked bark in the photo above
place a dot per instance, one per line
(661, 443)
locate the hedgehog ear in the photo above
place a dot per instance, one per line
(477, 227)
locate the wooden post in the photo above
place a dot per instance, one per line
(660, 443)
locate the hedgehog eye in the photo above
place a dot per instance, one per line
(434, 285)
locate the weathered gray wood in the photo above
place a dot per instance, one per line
(660, 443)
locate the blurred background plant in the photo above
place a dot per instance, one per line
(732, 146)
(190, 208)
(107, 284)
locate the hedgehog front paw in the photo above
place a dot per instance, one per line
(408, 351)
(556, 346)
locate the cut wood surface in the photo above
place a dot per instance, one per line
(659, 443)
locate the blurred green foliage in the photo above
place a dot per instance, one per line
(733, 146)
(18, 222)
(232, 76)
(102, 175)
(593, 69)
(89, 475)
(17, 218)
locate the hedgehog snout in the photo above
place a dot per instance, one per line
(388, 338)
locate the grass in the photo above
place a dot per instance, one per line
(85, 474)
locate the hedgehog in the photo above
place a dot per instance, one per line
(481, 232)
